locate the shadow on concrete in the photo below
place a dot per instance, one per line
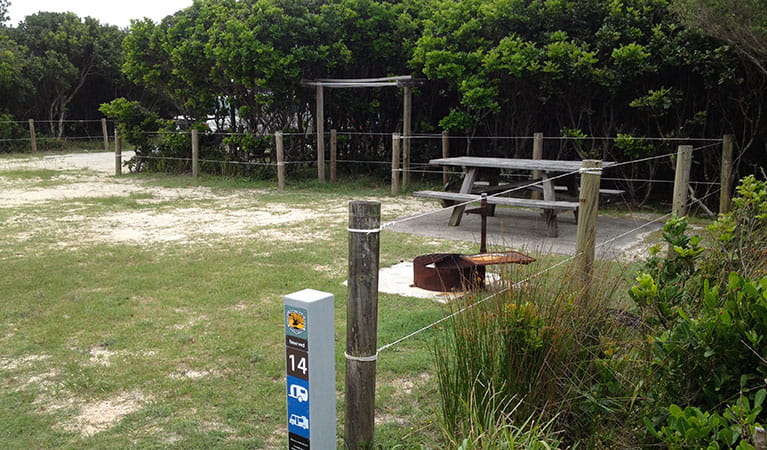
(620, 238)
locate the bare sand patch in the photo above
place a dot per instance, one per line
(193, 374)
(21, 362)
(189, 323)
(98, 416)
(383, 419)
(101, 356)
(219, 215)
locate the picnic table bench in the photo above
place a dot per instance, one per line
(474, 167)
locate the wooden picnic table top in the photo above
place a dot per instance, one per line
(547, 165)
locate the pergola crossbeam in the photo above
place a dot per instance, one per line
(365, 80)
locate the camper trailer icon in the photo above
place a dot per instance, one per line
(300, 393)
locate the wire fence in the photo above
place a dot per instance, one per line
(244, 156)
(516, 285)
(422, 167)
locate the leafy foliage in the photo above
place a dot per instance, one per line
(740, 234)
(64, 53)
(740, 23)
(707, 358)
(693, 428)
(706, 311)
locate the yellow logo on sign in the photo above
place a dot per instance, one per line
(296, 321)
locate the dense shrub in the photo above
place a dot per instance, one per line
(12, 135)
(739, 237)
(706, 312)
(166, 145)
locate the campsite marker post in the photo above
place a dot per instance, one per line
(311, 373)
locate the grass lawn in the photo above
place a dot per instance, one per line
(111, 339)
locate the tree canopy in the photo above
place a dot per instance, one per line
(491, 67)
(740, 23)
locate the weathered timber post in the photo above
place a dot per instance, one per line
(395, 155)
(681, 184)
(333, 154)
(681, 180)
(585, 245)
(537, 154)
(195, 153)
(362, 323)
(725, 181)
(32, 136)
(280, 150)
(406, 119)
(320, 124)
(105, 132)
(445, 154)
(118, 154)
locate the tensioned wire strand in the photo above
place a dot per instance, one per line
(529, 278)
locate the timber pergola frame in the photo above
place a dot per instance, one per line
(404, 81)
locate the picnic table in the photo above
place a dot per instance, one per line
(476, 167)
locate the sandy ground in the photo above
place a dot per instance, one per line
(200, 215)
(61, 209)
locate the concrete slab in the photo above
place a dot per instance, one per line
(398, 279)
(522, 229)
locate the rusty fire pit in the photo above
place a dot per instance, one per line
(444, 272)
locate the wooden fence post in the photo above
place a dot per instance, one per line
(280, 160)
(681, 184)
(681, 180)
(32, 136)
(395, 158)
(445, 154)
(105, 132)
(725, 182)
(406, 119)
(588, 209)
(195, 153)
(118, 154)
(333, 154)
(537, 154)
(362, 323)
(320, 123)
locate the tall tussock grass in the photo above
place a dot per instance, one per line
(525, 356)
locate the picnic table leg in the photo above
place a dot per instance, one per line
(468, 181)
(550, 215)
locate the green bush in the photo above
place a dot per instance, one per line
(668, 281)
(740, 236)
(692, 428)
(709, 358)
(706, 317)
(13, 136)
(137, 126)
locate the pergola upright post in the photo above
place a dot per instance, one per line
(406, 119)
(320, 125)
